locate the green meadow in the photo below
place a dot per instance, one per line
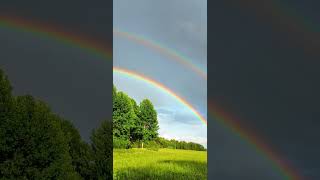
(137, 163)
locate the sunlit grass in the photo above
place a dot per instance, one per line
(162, 164)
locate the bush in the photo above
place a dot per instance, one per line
(121, 143)
(152, 145)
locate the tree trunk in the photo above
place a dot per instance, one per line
(142, 145)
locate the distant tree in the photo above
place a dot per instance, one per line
(148, 117)
(102, 150)
(32, 144)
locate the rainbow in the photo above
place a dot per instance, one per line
(162, 49)
(57, 34)
(96, 48)
(231, 124)
(160, 86)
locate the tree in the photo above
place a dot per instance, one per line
(102, 150)
(6, 111)
(148, 118)
(123, 116)
(134, 124)
(5, 96)
(33, 146)
(137, 127)
(114, 92)
(80, 152)
(135, 107)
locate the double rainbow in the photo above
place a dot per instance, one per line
(91, 46)
(162, 49)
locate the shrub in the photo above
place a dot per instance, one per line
(121, 143)
(152, 145)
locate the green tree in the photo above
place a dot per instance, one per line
(80, 151)
(123, 116)
(33, 146)
(135, 107)
(102, 150)
(137, 132)
(148, 118)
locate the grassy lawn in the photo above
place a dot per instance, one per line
(162, 164)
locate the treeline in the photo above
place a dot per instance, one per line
(137, 125)
(161, 142)
(174, 144)
(37, 144)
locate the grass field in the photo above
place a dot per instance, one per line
(162, 164)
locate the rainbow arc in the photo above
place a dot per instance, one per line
(163, 88)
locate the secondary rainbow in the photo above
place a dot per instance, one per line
(163, 88)
(162, 49)
(56, 33)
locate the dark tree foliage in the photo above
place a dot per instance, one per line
(80, 151)
(102, 150)
(33, 146)
(5, 97)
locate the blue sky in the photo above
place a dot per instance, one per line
(182, 27)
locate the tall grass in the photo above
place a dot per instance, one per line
(162, 164)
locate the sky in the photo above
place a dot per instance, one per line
(181, 28)
(264, 71)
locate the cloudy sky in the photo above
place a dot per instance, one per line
(264, 71)
(180, 28)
